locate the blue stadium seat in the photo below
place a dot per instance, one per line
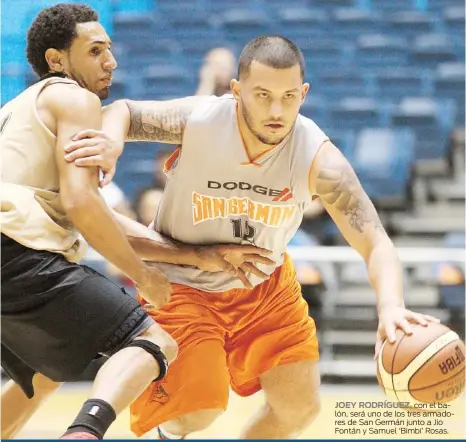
(393, 5)
(431, 49)
(219, 6)
(337, 84)
(133, 54)
(323, 57)
(169, 6)
(432, 122)
(440, 5)
(454, 18)
(449, 82)
(302, 22)
(350, 23)
(242, 25)
(195, 26)
(356, 113)
(383, 161)
(162, 80)
(410, 23)
(379, 51)
(134, 26)
(331, 4)
(394, 84)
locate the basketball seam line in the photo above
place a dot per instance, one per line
(393, 364)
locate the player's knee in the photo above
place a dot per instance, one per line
(164, 340)
(191, 422)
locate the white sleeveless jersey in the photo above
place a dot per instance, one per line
(215, 195)
(31, 210)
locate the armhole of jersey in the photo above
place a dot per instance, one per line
(44, 86)
(172, 161)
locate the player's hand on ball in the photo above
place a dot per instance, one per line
(393, 317)
(154, 287)
(92, 148)
(236, 260)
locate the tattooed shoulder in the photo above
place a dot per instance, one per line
(157, 121)
(338, 185)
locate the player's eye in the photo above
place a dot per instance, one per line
(263, 95)
(95, 51)
(289, 96)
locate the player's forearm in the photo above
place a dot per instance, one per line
(151, 246)
(386, 274)
(90, 215)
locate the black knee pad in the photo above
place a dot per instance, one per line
(153, 350)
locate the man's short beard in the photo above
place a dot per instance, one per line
(263, 139)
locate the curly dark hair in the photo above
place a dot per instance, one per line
(55, 27)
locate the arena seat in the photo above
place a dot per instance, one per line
(432, 122)
(449, 82)
(431, 49)
(356, 113)
(379, 51)
(383, 161)
(245, 24)
(302, 22)
(394, 84)
(410, 23)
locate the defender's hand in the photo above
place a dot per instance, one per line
(234, 259)
(92, 148)
(154, 287)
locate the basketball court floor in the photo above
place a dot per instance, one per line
(59, 412)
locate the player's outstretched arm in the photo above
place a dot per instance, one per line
(233, 259)
(160, 121)
(72, 109)
(126, 120)
(333, 179)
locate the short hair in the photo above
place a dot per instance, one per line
(272, 50)
(55, 27)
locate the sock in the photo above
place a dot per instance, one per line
(95, 417)
(164, 434)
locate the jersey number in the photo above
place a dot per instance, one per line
(246, 233)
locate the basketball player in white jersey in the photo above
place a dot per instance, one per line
(248, 168)
(56, 315)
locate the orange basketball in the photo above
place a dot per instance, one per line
(425, 367)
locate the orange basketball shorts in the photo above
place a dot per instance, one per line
(226, 339)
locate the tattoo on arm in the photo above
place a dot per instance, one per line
(340, 187)
(149, 123)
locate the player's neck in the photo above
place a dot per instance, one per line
(253, 146)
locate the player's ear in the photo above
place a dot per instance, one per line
(304, 90)
(235, 88)
(54, 60)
